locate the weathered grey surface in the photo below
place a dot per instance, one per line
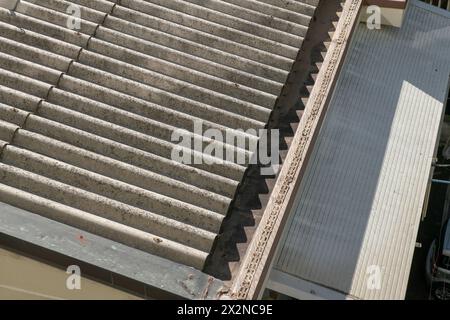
(149, 270)
(361, 199)
(8, 4)
(88, 114)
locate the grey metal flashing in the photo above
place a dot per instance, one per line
(102, 259)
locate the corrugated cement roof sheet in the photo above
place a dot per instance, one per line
(87, 115)
(360, 202)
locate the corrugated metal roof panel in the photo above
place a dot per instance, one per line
(360, 201)
(88, 114)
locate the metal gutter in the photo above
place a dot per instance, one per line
(101, 259)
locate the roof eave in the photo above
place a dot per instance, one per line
(101, 259)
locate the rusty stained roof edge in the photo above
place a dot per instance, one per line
(257, 262)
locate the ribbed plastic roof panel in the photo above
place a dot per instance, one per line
(354, 226)
(87, 115)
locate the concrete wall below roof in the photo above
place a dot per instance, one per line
(22, 278)
(389, 16)
(398, 4)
